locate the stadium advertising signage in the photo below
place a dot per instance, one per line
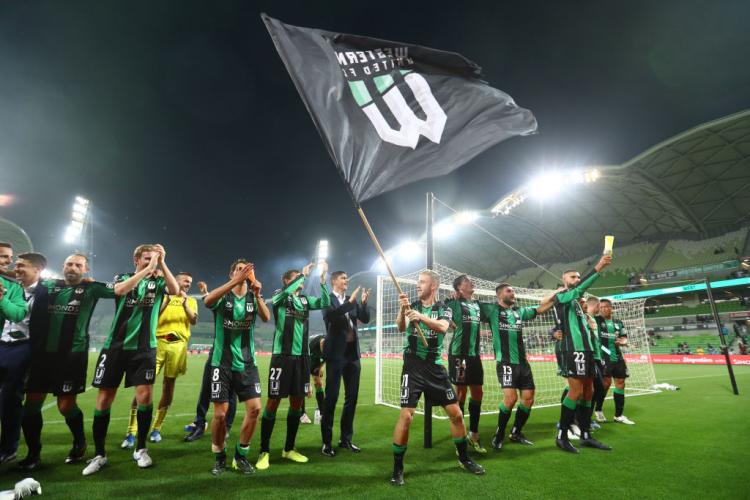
(696, 287)
(686, 272)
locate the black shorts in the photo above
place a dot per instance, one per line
(577, 364)
(288, 376)
(139, 368)
(418, 376)
(225, 382)
(315, 369)
(616, 369)
(59, 373)
(558, 358)
(466, 371)
(515, 376)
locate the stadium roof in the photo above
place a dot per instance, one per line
(692, 186)
(11, 233)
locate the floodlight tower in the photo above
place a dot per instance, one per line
(80, 231)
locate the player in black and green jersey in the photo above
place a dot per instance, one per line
(613, 336)
(317, 370)
(130, 350)
(506, 322)
(59, 358)
(464, 361)
(576, 353)
(290, 363)
(423, 371)
(233, 368)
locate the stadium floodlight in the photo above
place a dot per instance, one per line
(546, 185)
(78, 220)
(466, 217)
(408, 249)
(504, 206)
(444, 229)
(322, 250)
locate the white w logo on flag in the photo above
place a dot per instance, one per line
(411, 125)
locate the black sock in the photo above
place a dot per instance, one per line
(145, 412)
(564, 395)
(74, 419)
(619, 402)
(461, 448)
(461, 405)
(31, 423)
(398, 456)
(522, 415)
(502, 421)
(583, 414)
(320, 397)
(475, 410)
(292, 425)
(267, 421)
(600, 400)
(99, 429)
(567, 414)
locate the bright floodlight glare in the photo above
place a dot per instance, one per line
(466, 217)
(408, 249)
(46, 274)
(322, 250)
(444, 229)
(546, 185)
(82, 200)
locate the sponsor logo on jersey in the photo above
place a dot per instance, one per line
(79, 290)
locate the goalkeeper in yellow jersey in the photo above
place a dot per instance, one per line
(177, 313)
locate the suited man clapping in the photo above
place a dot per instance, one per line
(341, 353)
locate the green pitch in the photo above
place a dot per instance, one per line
(690, 443)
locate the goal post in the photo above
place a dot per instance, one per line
(538, 343)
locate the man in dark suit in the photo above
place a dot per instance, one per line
(341, 352)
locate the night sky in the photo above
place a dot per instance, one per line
(180, 123)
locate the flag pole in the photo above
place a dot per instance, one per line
(387, 265)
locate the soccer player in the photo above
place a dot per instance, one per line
(60, 343)
(130, 350)
(506, 322)
(423, 371)
(199, 425)
(289, 374)
(233, 369)
(591, 308)
(317, 370)
(613, 336)
(576, 353)
(464, 361)
(14, 347)
(176, 315)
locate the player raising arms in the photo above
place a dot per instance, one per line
(576, 351)
(613, 336)
(130, 350)
(423, 371)
(233, 368)
(290, 362)
(60, 348)
(506, 322)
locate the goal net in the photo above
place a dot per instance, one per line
(539, 346)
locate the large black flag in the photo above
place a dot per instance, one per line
(392, 113)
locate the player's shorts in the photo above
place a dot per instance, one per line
(558, 358)
(58, 373)
(466, 371)
(139, 368)
(225, 381)
(288, 376)
(577, 364)
(315, 369)
(418, 376)
(599, 371)
(616, 369)
(172, 356)
(515, 376)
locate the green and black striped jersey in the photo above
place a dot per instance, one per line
(572, 320)
(234, 324)
(609, 331)
(595, 338)
(137, 315)
(506, 325)
(413, 346)
(64, 326)
(466, 320)
(291, 313)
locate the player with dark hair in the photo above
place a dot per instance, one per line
(577, 357)
(423, 371)
(289, 374)
(233, 368)
(613, 336)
